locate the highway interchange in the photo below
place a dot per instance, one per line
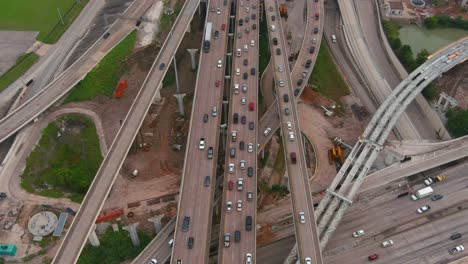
(196, 198)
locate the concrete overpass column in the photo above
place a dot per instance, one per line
(176, 76)
(180, 101)
(446, 105)
(157, 222)
(439, 102)
(93, 239)
(192, 57)
(133, 233)
(157, 97)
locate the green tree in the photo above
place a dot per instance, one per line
(395, 43)
(405, 54)
(430, 92)
(431, 22)
(422, 57)
(458, 122)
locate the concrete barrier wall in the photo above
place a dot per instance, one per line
(420, 101)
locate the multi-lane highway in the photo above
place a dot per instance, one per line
(82, 224)
(370, 144)
(192, 241)
(311, 43)
(240, 180)
(77, 71)
(159, 248)
(303, 209)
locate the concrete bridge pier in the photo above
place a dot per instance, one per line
(93, 239)
(180, 101)
(157, 222)
(193, 58)
(133, 233)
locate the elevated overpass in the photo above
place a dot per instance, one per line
(83, 222)
(63, 83)
(361, 158)
(302, 204)
(270, 118)
(195, 201)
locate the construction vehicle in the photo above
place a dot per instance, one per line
(326, 111)
(283, 11)
(435, 179)
(335, 154)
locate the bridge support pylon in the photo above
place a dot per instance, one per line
(131, 228)
(157, 222)
(93, 239)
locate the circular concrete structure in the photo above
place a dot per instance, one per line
(418, 3)
(42, 224)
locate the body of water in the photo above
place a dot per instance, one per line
(431, 40)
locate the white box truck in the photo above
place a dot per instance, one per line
(422, 193)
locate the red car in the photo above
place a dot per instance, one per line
(223, 27)
(316, 16)
(251, 106)
(373, 257)
(217, 83)
(230, 185)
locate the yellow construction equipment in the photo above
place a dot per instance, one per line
(283, 11)
(336, 154)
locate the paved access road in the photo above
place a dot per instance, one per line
(306, 233)
(245, 61)
(418, 238)
(312, 40)
(81, 227)
(76, 72)
(196, 198)
(159, 247)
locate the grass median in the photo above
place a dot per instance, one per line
(42, 16)
(104, 77)
(65, 161)
(22, 64)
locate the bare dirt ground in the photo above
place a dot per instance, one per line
(455, 84)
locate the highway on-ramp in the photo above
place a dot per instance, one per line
(82, 224)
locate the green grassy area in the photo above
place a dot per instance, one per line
(103, 79)
(167, 21)
(42, 16)
(115, 248)
(22, 64)
(279, 165)
(169, 78)
(325, 78)
(64, 166)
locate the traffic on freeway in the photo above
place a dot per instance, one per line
(239, 203)
(193, 229)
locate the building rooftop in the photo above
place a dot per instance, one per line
(396, 5)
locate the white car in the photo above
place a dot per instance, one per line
(289, 125)
(457, 249)
(247, 9)
(239, 205)
(240, 184)
(250, 148)
(231, 168)
(242, 164)
(242, 3)
(218, 11)
(252, 43)
(153, 261)
(237, 71)
(308, 260)
(302, 217)
(229, 206)
(243, 101)
(358, 233)
(248, 258)
(423, 209)
(304, 74)
(281, 83)
(267, 131)
(291, 136)
(244, 88)
(201, 145)
(220, 63)
(387, 243)
(280, 68)
(236, 88)
(314, 41)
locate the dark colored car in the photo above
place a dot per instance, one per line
(236, 118)
(246, 76)
(250, 171)
(308, 62)
(251, 125)
(237, 236)
(106, 35)
(316, 30)
(161, 66)
(69, 210)
(248, 223)
(243, 119)
(273, 18)
(138, 23)
(252, 71)
(230, 185)
(241, 145)
(210, 153)
(216, 34)
(225, 2)
(286, 98)
(286, 111)
(254, 26)
(241, 22)
(455, 236)
(296, 92)
(247, 19)
(278, 51)
(311, 50)
(373, 257)
(246, 61)
(185, 224)
(299, 82)
(206, 182)
(205, 118)
(254, 16)
(275, 41)
(436, 197)
(317, 16)
(190, 243)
